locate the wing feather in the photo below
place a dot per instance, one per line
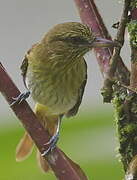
(74, 110)
(24, 67)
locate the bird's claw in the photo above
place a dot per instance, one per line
(20, 98)
(52, 143)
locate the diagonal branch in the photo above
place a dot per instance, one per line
(124, 101)
(116, 53)
(90, 16)
(62, 166)
(120, 38)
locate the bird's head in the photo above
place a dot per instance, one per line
(73, 38)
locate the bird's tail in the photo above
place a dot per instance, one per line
(25, 145)
(24, 148)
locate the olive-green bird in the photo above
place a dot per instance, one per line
(55, 73)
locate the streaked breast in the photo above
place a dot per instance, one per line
(56, 87)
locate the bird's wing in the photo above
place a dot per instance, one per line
(74, 110)
(24, 65)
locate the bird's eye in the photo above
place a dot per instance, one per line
(76, 40)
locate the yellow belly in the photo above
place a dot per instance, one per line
(58, 90)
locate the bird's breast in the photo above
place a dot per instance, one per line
(56, 87)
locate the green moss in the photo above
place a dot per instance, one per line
(125, 106)
(133, 3)
(132, 29)
(130, 128)
(123, 127)
(134, 108)
(107, 95)
(118, 106)
(107, 90)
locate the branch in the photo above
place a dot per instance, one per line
(109, 80)
(132, 31)
(62, 166)
(131, 173)
(119, 38)
(90, 16)
(124, 100)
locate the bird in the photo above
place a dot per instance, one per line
(55, 74)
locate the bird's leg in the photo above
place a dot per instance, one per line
(54, 139)
(20, 98)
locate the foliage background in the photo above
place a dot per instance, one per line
(90, 137)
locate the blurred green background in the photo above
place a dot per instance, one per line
(88, 139)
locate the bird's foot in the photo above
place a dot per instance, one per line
(52, 144)
(54, 139)
(20, 98)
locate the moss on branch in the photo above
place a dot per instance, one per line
(125, 104)
(132, 29)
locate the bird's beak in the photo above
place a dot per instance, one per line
(101, 42)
